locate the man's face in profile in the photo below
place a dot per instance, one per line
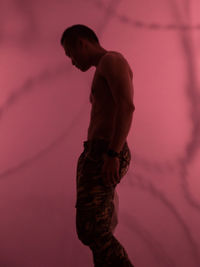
(77, 55)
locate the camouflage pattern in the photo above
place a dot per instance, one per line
(96, 215)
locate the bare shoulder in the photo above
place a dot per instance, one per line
(115, 61)
(118, 75)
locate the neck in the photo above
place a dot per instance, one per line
(96, 57)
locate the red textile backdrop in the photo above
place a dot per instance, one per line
(45, 111)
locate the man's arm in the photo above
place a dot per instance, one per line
(122, 127)
(117, 73)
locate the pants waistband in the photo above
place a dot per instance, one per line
(88, 144)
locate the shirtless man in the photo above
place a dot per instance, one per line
(106, 155)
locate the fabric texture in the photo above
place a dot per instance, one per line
(96, 205)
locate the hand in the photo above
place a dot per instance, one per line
(110, 170)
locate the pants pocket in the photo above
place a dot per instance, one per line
(125, 159)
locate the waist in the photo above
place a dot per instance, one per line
(100, 145)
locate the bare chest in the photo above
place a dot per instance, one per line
(100, 93)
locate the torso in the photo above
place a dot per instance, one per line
(103, 112)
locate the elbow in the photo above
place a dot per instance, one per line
(131, 107)
(126, 107)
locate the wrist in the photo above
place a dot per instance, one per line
(111, 153)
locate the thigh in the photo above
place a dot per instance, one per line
(94, 221)
(94, 205)
(91, 191)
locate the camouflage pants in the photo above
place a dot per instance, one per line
(96, 215)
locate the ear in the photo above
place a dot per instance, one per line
(81, 41)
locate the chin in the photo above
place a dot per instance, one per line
(88, 67)
(85, 68)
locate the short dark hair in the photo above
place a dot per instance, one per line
(72, 33)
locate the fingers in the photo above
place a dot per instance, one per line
(110, 179)
(110, 172)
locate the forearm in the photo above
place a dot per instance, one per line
(123, 122)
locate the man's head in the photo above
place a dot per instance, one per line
(78, 42)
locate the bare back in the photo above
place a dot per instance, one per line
(103, 112)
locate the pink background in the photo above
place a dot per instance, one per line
(45, 110)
